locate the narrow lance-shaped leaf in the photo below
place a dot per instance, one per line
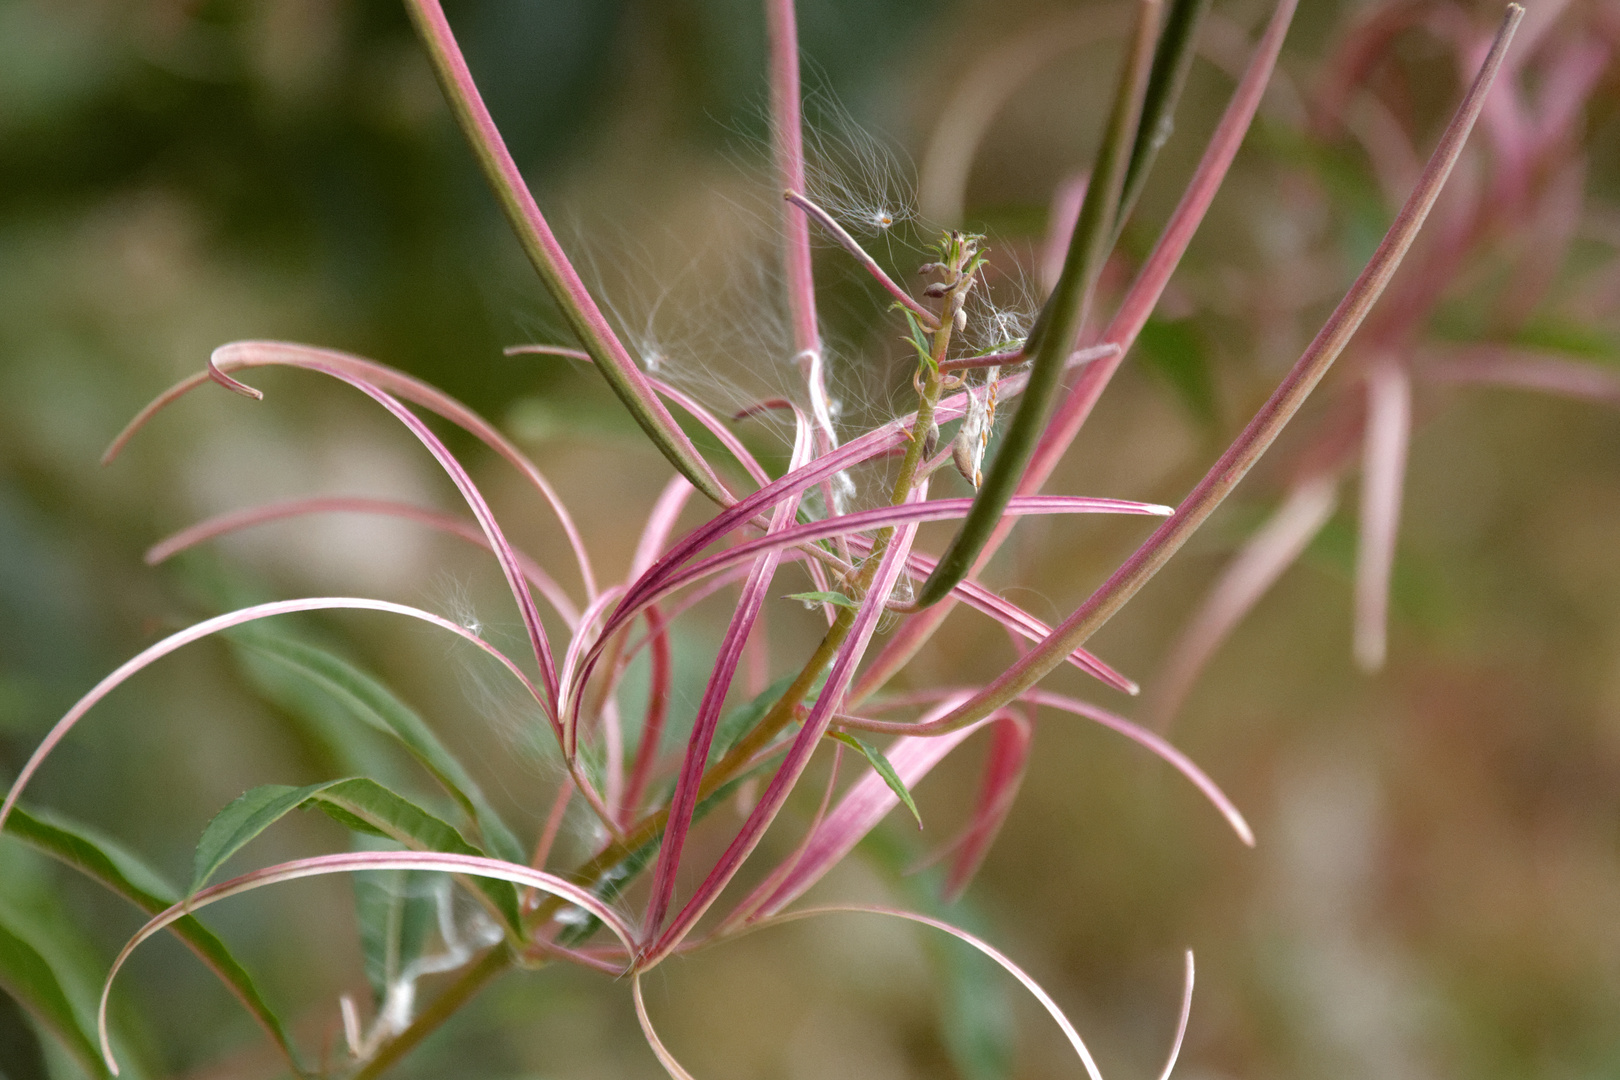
(482, 867)
(105, 861)
(357, 803)
(373, 704)
(885, 771)
(34, 981)
(1261, 431)
(1058, 327)
(560, 277)
(152, 653)
(395, 917)
(242, 819)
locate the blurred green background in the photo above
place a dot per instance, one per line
(1436, 889)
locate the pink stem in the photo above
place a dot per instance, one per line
(869, 264)
(225, 622)
(683, 803)
(652, 728)
(787, 142)
(1263, 429)
(1383, 475)
(1244, 581)
(246, 354)
(548, 257)
(234, 520)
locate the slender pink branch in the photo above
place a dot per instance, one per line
(248, 354)
(683, 803)
(1131, 316)
(225, 622)
(1010, 743)
(869, 264)
(667, 575)
(504, 555)
(1014, 619)
(1527, 371)
(947, 724)
(1235, 463)
(1383, 476)
(235, 520)
(652, 727)
(548, 832)
(1016, 356)
(1273, 549)
(787, 143)
(561, 279)
(803, 745)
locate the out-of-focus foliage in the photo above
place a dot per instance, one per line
(1435, 887)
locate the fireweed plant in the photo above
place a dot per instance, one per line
(995, 395)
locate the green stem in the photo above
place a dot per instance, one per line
(1060, 322)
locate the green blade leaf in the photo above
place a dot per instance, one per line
(396, 916)
(881, 766)
(354, 694)
(357, 803)
(107, 862)
(809, 598)
(244, 818)
(31, 978)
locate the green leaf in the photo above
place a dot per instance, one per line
(21, 1053)
(105, 861)
(809, 598)
(881, 766)
(356, 695)
(31, 978)
(917, 338)
(357, 803)
(244, 818)
(396, 914)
